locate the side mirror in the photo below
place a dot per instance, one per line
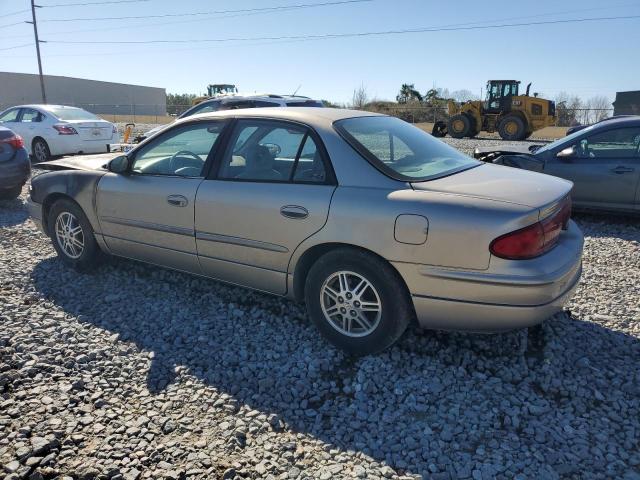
(119, 164)
(567, 153)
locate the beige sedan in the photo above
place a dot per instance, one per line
(369, 220)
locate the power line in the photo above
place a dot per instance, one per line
(11, 24)
(17, 46)
(328, 36)
(147, 24)
(86, 4)
(215, 12)
(14, 13)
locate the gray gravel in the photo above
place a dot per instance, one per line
(140, 372)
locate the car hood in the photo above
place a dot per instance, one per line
(502, 184)
(80, 162)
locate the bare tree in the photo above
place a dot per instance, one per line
(600, 107)
(463, 95)
(360, 97)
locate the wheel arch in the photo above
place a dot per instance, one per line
(312, 254)
(48, 202)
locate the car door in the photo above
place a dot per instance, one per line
(604, 167)
(30, 122)
(147, 213)
(270, 191)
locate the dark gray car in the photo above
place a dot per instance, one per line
(602, 161)
(15, 167)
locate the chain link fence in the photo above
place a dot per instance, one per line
(161, 114)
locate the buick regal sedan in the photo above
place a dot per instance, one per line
(367, 219)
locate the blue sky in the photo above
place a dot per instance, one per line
(587, 59)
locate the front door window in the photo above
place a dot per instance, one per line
(181, 151)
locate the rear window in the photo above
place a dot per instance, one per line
(400, 150)
(68, 113)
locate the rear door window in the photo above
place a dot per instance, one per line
(273, 151)
(29, 115)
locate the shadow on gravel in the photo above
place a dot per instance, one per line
(12, 212)
(624, 227)
(551, 401)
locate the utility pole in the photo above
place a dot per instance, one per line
(35, 32)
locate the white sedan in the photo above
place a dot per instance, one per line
(52, 130)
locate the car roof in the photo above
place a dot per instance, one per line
(300, 114)
(629, 121)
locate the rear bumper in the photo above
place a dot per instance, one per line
(510, 294)
(448, 314)
(15, 172)
(72, 145)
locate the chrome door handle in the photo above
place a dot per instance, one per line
(294, 211)
(622, 169)
(177, 200)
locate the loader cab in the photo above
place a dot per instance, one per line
(499, 94)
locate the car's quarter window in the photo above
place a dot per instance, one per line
(30, 115)
(270, 150)
(181, 151)
(10, 116)
(617, 143)
(401, 150)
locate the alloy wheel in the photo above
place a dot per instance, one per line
(350, 303)
(69, 235)
(40, 151)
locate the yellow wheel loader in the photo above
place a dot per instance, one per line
(513, 116)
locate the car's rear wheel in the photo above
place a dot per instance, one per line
(10, 193)
(72, 236)
(357, 300)
(40, 150)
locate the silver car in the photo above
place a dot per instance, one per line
(369, 220)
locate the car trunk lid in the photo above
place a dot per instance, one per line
(90, 130)
(501, 184)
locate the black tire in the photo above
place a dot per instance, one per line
(10, 193)
(473, 129)
(439, 129)
(396, 309)
(40, 151)
(512, 127)
(459, 126)
(89, 256)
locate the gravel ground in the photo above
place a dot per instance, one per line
(140, 372)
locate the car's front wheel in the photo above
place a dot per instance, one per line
(357, 300)
(72, 236)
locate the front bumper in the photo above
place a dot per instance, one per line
(35, 212)
(510, 294)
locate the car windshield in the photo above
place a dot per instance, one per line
(401, 150)
(70, 113)
(567, 139)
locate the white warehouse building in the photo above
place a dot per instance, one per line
(92, 95)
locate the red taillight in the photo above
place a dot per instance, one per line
(16, 141)
(65, 130)
(534, 240)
